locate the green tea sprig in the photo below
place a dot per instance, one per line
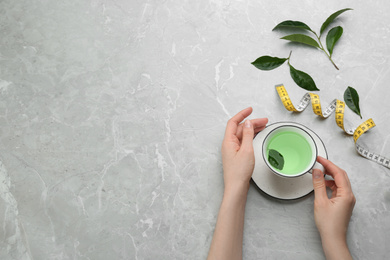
(332, 37)
(302, 79)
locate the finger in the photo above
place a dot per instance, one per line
(332, 185)
(319, 185)
(258, 129)
(339, 176)
(247, 136)
(258, 125)
(232, 124)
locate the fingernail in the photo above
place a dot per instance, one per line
(247, 123)
(317, 174)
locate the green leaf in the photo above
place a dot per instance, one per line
(275, 159)
(301, 38)
(268, 63)
(351, 98)
(292, 25)
(331, 18)
(302, 79)
(333, 36)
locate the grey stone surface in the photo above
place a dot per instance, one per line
(112, 115)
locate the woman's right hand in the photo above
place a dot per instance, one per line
(332, 215)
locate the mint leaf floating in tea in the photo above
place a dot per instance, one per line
(351, 98)
(275, 159)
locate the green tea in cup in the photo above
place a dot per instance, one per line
(289, 151)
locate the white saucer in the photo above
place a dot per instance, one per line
(274, 185)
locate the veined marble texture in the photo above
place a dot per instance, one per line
(112, 115)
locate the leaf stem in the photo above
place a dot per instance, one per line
(323, 49)
(288, 59)
(333, 63)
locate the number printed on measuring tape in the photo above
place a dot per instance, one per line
(338, 107)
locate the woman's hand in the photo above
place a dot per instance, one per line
(237, 149)
(238, 163)
(332, 215)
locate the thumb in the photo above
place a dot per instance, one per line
(319, 184)
(247, 135)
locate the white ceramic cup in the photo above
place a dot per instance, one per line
(313, 164)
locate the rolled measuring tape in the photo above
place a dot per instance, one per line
(338, 107)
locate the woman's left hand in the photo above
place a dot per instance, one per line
(237, 148)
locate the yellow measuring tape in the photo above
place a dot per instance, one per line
(338, 107)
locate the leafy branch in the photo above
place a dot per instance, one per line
(331, 39)
(301, 78)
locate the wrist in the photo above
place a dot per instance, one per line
(335, 248)
(236, 192)
(237, 188)
(333, 238)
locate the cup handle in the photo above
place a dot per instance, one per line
(319, 166)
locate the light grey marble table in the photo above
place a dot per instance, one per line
(112, 115)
